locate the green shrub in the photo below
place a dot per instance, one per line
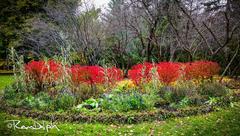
(167, 97)
(9, 93)
(213, 100)
(14, 98)
(64, 102)
(126, 101)
(44, 101)
(150, 100)
(184, 102)
(41, 101)
(212, 90)
(29, 102)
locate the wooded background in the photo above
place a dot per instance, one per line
(126, 33)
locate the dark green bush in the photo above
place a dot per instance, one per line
(14, 98)
(64, 102)
(161, 102)
(9, 93)
(212, 90)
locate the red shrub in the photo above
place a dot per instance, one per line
(168, 71)
(135, 75)
(113, 74)
(87, 74)
(36, 70)
(54, 70)
(140, 71)
(95, 74)
(47, 72)
(201, 69)
(43, 72)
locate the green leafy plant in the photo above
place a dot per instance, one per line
(88, 104)
(181, 104)
(29, 102)
(124, 102)
(184, 102)
(64, 102)
(212, 101)
(14, 98)
(44, 101)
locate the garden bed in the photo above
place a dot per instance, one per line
(51, 90)
(109, 118)
(131, 117)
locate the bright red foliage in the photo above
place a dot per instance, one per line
(113, 75)
(140, 72)
(87, 74)
(171, 71)
(95, 74)
(168, 71)
(47, 72)
(201, 69)
(41, 71)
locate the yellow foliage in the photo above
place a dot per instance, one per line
(125, 85)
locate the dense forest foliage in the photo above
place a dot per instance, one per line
(125, 33)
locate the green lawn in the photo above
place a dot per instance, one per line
(4, 81)
(225, 122)
(222, 123)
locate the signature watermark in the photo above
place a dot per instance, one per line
(16, 124)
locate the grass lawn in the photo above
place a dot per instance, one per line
(225, 122)
(4, 81)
